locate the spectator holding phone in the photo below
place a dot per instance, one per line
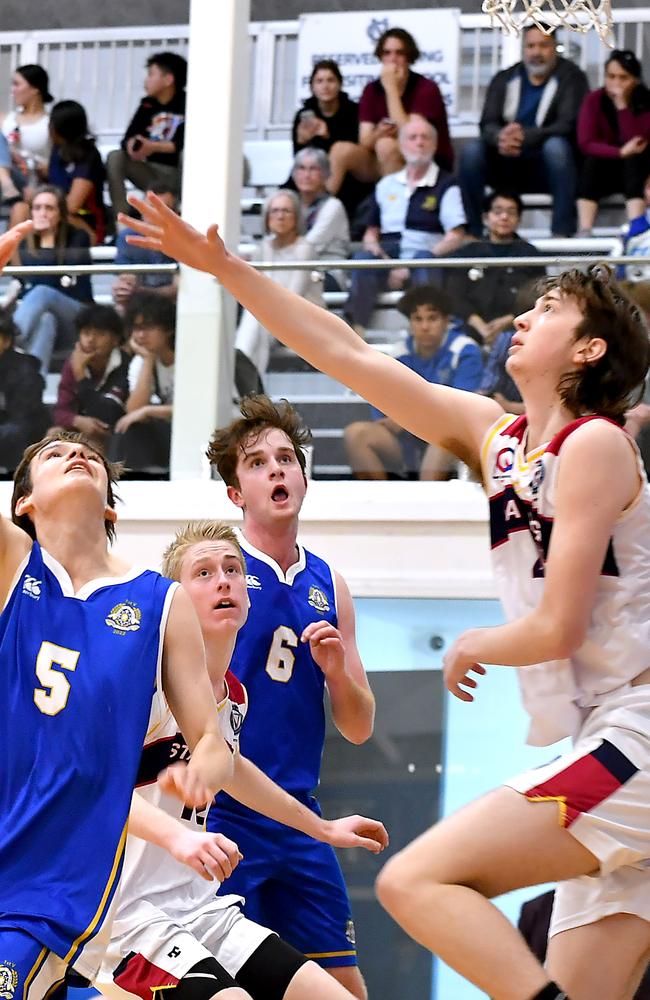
(152, 146)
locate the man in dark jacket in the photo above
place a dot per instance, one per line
(23, 415)
(153, 142)
(527, 140)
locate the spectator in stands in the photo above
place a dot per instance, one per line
(152, 146)
(327, 119)
(326, 222)
(485, 297)
(439, 353)
(143, 435)
(126, 284)
(527, 140)
(25, 134)
(23, 416)
(613, 136)
(94, 385)
(416, 213)
(496, 381)
(385, 106)
(284, 243)
(636, 241)
(46, 312)
(328, 116)
(76, 167)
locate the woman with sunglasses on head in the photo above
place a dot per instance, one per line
(613, 136)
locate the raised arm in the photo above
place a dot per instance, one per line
(14, 542)
(454, 420)
(189, 693)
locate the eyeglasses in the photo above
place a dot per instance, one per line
(281, 211)
(511, 212)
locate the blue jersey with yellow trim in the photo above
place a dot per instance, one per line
(285, 725)
(77, 680)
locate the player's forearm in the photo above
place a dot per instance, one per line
(353, 708)
(212, 761)
(535, 638)
(320, 337)
(150, 823)
(254, 789)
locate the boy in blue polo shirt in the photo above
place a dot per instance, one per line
(440, 353)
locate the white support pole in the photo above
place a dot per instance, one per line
(217, 92)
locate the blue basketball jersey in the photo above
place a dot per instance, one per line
(285, 726)
(77, 680)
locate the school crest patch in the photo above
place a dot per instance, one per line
(318, 600)
(124, 617)
(8, 980)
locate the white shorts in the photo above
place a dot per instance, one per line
(160, 948)
(603, 793)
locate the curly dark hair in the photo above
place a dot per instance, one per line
(258, 413)
(614, 383)
(23, 477)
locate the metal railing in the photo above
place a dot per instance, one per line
(81, 60)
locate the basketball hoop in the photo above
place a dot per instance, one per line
(576, 15)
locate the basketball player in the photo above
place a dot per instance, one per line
(170, 928)
(570, 525)
(298, 639)
(85, 640)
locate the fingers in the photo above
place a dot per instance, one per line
(221, 857)
(319, 631)
(181, 781)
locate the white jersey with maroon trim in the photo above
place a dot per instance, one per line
(149, 871)
(521, 493)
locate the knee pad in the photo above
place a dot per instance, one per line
(267, 973)
(201, 982)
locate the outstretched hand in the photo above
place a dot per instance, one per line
(162, 229)
(358, 831)
(10, 240)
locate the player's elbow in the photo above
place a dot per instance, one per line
(566, 634)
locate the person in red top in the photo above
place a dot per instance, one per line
(613, 136)
(386, 104)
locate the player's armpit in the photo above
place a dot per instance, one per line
(15, 544)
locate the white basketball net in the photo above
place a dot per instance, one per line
(576, 15)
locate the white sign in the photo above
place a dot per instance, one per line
(350, 39)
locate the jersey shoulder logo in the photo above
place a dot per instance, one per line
(124, 617)
(31, 587)
(8, 979)
(253, 582)
(318, 600)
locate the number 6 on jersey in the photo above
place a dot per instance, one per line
(54, 700)
(280, 661)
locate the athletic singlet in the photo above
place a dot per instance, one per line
(78, 676)
(151, 873)
(521, 492)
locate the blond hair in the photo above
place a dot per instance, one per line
(191, 534)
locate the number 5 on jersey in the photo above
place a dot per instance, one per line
(53, 696)
(280, 661)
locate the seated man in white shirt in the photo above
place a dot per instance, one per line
(416, 213)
